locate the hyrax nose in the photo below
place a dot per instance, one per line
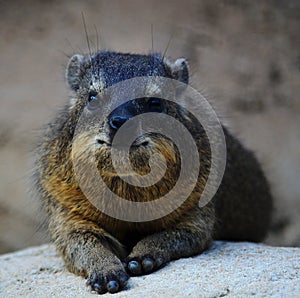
(116, 122)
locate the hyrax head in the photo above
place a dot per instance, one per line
(108, 94)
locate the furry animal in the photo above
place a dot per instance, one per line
(106, 250)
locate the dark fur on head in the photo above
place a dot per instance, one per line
(111, 68)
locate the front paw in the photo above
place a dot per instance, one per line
(138, 265)
(112, 281)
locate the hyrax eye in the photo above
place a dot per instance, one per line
(155, 104)
(92, 96)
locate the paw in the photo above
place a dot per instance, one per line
(111, 282)
(143, 265)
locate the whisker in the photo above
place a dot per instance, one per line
(64, 53)
(79, 49)
(86, 35)
(168, 44)
(97, 36)
(93, 44)
(70, 45)
(152, 37)
(87, 40)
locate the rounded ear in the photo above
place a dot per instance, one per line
(179, 69)
(74, 71)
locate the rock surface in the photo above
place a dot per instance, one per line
(243, 54)
(227, 269)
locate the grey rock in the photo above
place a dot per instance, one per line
(226, 270)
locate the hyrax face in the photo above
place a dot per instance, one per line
(93, 79)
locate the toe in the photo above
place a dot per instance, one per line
(110, 282)
(134, 267)
(147, 265)
(158, 262)
(112, 286)
(123, 279)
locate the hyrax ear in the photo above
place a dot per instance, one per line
(179, 69)
(75, 71)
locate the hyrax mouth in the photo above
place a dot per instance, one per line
(142, 142)
(138, 155)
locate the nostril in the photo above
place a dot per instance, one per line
(145, 144)
(100, 142)
(116, 122)
(141, 144)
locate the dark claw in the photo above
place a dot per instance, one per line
(123, 279)
(96, 287)
(112, 286)
(148, 264)
(134, 267)
(158, 262)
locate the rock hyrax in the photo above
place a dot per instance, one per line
(107, 250)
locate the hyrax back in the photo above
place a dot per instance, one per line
(105, 249)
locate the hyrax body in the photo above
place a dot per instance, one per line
(107, 250)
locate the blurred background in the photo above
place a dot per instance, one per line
(243, 55)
